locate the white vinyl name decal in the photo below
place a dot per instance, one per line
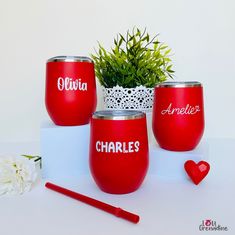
(69, 84)
(117, 147)
(187, 110)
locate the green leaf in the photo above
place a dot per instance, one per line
(136, 59)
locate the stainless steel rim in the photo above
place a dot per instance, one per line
(70, 59)
(118, 114)
(180, 84)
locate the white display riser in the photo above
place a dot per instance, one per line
(169, 165)
(64, 151)
(65, 154)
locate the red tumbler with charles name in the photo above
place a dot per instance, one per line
(119, 150)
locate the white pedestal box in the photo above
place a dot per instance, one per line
(65, 155)
(169, 165)
(64, 151)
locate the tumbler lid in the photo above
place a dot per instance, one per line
(118, 114)
(70, 59)
(180, 84)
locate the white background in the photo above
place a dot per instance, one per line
(201, 34)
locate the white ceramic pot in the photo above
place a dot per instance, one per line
(138, 98)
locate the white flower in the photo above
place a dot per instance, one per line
(17, 174)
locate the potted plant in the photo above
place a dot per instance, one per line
(129, 72)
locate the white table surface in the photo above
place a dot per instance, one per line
(165, 206)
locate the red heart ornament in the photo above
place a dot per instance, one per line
(196, 171)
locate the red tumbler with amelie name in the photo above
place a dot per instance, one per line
(178, 115)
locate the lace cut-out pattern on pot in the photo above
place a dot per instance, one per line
(138, 98)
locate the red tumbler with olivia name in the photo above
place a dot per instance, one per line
(178, 115)
(70, 90)
(119, 150)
